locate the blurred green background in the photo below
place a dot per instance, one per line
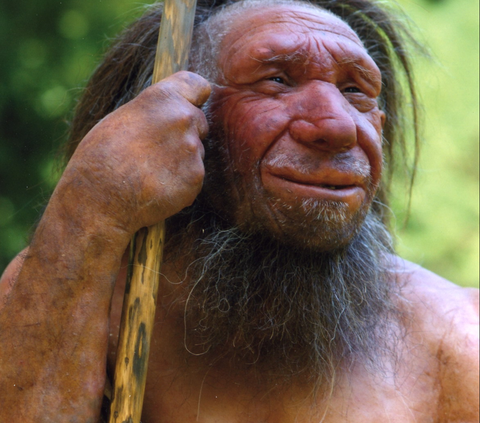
(49, 48)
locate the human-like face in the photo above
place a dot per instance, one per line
(296, 104)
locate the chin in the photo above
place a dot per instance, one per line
(315, 225)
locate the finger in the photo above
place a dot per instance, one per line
(201, 150)
(189, 85)
(202, 126)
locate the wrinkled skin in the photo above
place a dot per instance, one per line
(299, 110)
(54, 349)
(293, 130)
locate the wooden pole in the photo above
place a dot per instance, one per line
(141, 290)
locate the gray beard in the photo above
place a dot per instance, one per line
(285, 310)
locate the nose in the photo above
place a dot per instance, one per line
(321, 119)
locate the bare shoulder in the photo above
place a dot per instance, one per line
(445, 317)
(435, 299)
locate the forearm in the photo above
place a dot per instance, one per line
(54, 324)
(138, 166)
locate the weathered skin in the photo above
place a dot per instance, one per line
(143, 163)
(55, 316)
(284, 142)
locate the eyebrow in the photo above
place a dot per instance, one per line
(296, 56)
(366, 73)
(304, 57)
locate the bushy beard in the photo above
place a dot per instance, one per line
(288, 311)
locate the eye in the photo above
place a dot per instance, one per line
(278, 80)
(352, 89)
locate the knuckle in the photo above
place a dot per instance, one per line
(191, 145)
(194, 148)
(193, 78)
(187, 118)
(192, 119)
(203, 126)
(161, 92)
(197, 174)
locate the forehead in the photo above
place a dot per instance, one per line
(301, 18)
(266, 32)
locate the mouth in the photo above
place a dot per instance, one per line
(336, 183)
(328, 177)
(339, 188)
(291, 185)
(330, 187)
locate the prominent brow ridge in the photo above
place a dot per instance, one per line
(366, 73)
(294, 57)
(304, 57)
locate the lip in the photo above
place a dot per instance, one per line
(334, 187)
(326, 175)
(329, 178)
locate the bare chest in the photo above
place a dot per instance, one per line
(403, 396)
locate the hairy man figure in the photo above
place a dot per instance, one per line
(281, 299)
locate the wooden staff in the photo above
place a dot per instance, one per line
(141, 289)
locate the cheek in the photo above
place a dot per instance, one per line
(251, 127)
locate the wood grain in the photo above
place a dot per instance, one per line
(141, 290)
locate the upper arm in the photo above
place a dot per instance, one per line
(459, 364)
(446, 322)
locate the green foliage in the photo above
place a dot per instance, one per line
(442, 232)
(50, 48)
